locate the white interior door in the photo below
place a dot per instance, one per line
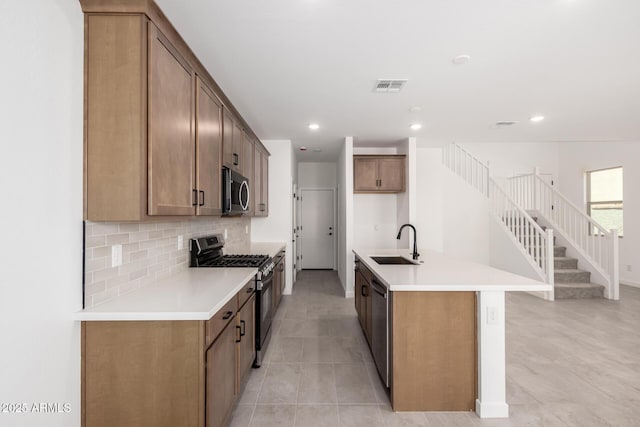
(294, 233)
(318, 229)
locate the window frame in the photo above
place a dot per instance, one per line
(590, 203)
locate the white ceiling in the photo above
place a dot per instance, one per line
(286, 63)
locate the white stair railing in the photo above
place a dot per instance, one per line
(596, 245)
(467, 167)
(534, 242)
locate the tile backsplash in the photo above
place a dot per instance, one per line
(149, 252)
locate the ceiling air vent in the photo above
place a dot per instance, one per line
(505, 124)
(389, 85)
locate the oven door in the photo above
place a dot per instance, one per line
(264, 317)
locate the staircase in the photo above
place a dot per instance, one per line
(569, 281)
(517, 209)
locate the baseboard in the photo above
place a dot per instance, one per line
(630, 283)
(492, 409)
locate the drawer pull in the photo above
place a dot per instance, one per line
(243, 329)
(249, 290)
(227, 315)
(240, 337)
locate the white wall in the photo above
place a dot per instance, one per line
(451, 216)
(41, 184)
(578, 158)
(277, 227)
(345, 216)
(406, 201)
(317, 175)
(429, 199)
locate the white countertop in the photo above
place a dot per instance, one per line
(439, 272)
(193, 294)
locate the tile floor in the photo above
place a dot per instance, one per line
(569, 363)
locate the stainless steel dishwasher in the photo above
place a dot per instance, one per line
(380, 329)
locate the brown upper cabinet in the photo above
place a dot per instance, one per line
(261, 182)
(379, 173)
(156, 123)
(209, 150)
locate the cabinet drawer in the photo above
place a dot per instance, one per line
(216, 324)
(245, 293)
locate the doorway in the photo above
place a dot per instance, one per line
(317, 231)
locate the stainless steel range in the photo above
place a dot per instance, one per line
(208, 251)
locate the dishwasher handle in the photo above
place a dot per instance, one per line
(379, 288)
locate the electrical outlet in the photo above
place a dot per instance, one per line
(246, 229)
(180, 242)
(116, 255)
(629, 268)
(492, 315)
(225, 234)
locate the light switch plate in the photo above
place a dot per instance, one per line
(116, 255)
(180, 241)
(225, 234)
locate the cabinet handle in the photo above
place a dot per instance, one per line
(249, 290)
(261, 207)
(236, 159)
(202, 199)
(362, 291)
(243, 329)
(227, 315)
(238, 330)
(195, 197)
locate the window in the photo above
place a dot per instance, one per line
(604, 198)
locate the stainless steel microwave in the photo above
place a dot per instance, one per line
(235, 193)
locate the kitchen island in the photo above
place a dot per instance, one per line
(443, 330)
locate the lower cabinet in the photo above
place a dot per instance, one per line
(168, 373)
(246, 346)
(221, 377)
(363, 300)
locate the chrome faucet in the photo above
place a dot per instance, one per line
(415, 253)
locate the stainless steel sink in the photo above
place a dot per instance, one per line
(393, 260)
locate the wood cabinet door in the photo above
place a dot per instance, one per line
(171, 141)
(238, 147)
(391, 174)
(247, 344)
(358, 297)
(248, 171)
(257, 181)
(367, 311)
(221, 377)
(365, 174)
(264, 205)
(208, 150)
(228, 124)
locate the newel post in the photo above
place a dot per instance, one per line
(614, 273)
(550, 264)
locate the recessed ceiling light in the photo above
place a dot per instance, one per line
(303, 148)
(536, 119)
(314, 126)
(416, 126)
(461, 59)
